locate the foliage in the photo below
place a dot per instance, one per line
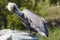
(54, 34)
(49, 9)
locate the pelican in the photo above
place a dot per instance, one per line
(32, 21)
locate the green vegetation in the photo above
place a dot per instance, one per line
(49, 9)
(54, 34)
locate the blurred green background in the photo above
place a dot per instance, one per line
(49, 9)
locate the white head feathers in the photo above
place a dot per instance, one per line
(10, 6)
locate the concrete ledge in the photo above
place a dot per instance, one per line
(23, 36)
(8, 34)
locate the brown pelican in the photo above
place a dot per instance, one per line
(32, 21)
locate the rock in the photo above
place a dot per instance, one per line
(8, 34)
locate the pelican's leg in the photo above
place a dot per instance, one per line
(35, 33)
(30, 32)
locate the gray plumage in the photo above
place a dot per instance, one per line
(32, 21)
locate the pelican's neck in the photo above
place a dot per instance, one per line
(21, 15)
(18, 12)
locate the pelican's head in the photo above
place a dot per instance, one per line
(12, 7)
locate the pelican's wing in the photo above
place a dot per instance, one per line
(38, 23)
